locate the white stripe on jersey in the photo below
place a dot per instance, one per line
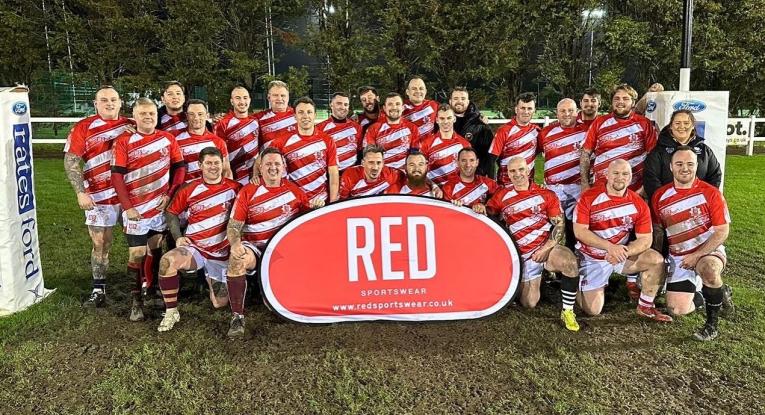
(151, 187)
(692, 244)
(306, 151)
(474, 194)
(146, 170)
(279, 124)
(564, 174)
(372, 190)
(103, 195)
(613, 213)
(393, 137)
(318, 182)
(522, 224)
(206, 224)
(105, 157)
(525, 204)
(266, 225)
(276, 202)
(305, 170)
(624, 131)
(561, 159)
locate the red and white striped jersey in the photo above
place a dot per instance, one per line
(611, 217)
(441, 154)
(91, 139)
(265, 209)
(526, 214)
(365, 122)
(208, 206)
(561, 148)
(353, 183)
(347, 136)
(241, 137)
(611, 138)
(423, 116)
(308, 158)
(688, 215)
(172, 123)
(587, 123)
(191, 145)
(395, 139)
(145, 160)
(513, 140)
(403, 188)
(470, 193)
(272, 124)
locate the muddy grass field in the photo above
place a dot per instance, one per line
(60, 359)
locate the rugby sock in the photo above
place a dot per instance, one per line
(134, 273)
(169, 285)
(99, 285)
(568, 287)
(632, 278)
(646, 300)
(151, 265)
(714, 299)
(237, 286)
(99, 267)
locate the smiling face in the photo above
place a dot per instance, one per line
(272, 169)
(108, 104)
(524, 111)
(340, 107)
(212, 168)
(393, 108)
(682, 127)
(566, 112)
(683, 167)
(173, 98)
(459, 101)
(278, 97)
(518, 172)
(416, 91)
(416, 167)
(196, 115)
(590, 105)
(445, 121)
(468, 163)
(618, 176)
(240, 102)
(369, 101)
(145, 116)
(622, 103)
(305, 114)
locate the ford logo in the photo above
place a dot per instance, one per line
(651, 107)
(20, 108)
(690, 105)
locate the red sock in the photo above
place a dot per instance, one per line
(237, 285)
(169, 286)
(148, 268)
(134, 272)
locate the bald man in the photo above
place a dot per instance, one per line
(604, 217)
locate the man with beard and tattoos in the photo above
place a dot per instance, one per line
(90, 141)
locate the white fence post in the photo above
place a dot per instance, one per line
(750, 140)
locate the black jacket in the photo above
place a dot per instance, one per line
(657, 163)
(480, 137)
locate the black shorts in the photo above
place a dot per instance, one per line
(141, 240)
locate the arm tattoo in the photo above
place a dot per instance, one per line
(584, 165)
(74, 172)
(234, 230)
(558, 233)
(174, 225)
(658, 238)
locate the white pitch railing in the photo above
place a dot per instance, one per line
(741, 131)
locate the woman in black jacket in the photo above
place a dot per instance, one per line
(681, 130)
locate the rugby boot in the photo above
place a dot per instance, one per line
(653, 313)
(172, 316)
(706, 333)
(236, 328)
(97, 299)
(569, 320)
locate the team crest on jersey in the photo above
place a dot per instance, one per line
(695, 212)
(320, 157)
(164, 151)
(627, 223)
(286, 209)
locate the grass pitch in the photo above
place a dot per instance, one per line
(60, 359)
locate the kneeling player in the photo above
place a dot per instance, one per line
(208, 201)
(416, 181)
(603, 220)
(695, 217)
(528, 212)
(259, 211)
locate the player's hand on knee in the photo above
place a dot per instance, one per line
(182, 241)
(689, 261)
(238, 251)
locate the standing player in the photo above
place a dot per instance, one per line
(416, 182)
(418, 110)
(516, 138)
(395, 135)
(208, 199)
(370, 105)
(468, 188)
(280, 117)
(196, 137)
(604, 217)
(240, 131)
(345, 132)
(372, 177)
(535, 221)
(561, 143)
(259, 211)
(147, 167)
(471, 125)
(441, 148)
(590, 103)
(171, 116)
(695, 217)
(90, 141)
(310, 154)
(622, 134)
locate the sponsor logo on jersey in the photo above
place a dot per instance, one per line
(692, 105)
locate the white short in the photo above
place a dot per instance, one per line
(678, 274)
(102, 215)
(595, 273)
(568, 194)
(532, 270)
(214, 269)
(143, 226)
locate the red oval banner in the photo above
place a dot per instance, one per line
(389, 258)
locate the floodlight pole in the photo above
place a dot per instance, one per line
(685, 55)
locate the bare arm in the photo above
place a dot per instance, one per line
(334, 183)
(234, 231)
(227, 173)
(74, 172)
(584, 168)
(174, 225)
(641, 244)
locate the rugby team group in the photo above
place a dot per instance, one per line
(202, 193)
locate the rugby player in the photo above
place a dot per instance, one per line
(90, 141)
(171, 116)
(370, 106)
(259, 211)
(416, 181)
(468, 188)
(590, 103)
(345, 132)
(535, 221)
(240, 131)
(441, 147)
(203, 246)
(604, 217)
(280, 117)
(695, 217)
(196, 137)
(395, 135)
(372, 177)
(147, 167)
(516, 138)
(471, 125)
(419, 110)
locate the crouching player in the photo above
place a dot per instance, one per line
(695, 217)
(208, 201)
(259, 211)
(603, 219)
(535, 220)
